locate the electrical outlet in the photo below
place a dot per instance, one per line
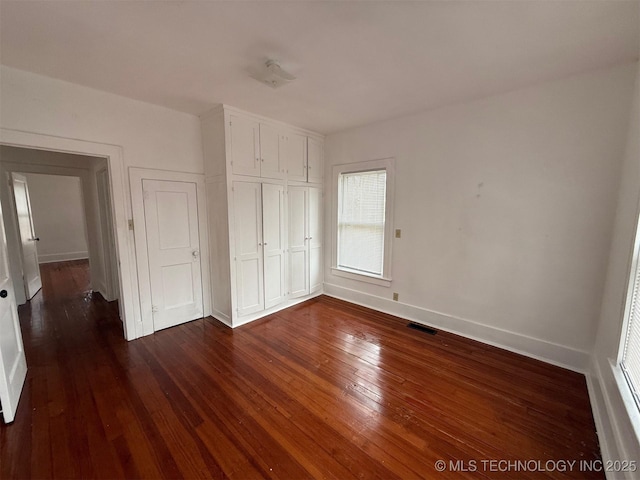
(398, 233)
(395, 296)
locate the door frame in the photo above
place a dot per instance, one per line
(136, 176)
(120, 209)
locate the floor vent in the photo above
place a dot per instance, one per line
(422, 328)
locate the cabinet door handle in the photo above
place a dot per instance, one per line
(257, 159)
(265, 244)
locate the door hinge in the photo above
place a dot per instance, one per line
(154, 309)
(131, 225)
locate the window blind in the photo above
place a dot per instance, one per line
(361, 217)
(631, 353)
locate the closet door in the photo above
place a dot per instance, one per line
(273, 219)
(247, 207)
(244, 144)
(315, 162)
(296, 153)
(271, 154)
(298, 244)
(315, 239)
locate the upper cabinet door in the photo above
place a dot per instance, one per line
(296, 153)
(271, 156)
(244, 146)
(315, 168)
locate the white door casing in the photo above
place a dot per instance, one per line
(274, 244)
(298, 245)
(247, 200)
(13, 365)
(173, 246)
(28, 239)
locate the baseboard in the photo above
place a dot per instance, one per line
(608, 447)
(62, 257)
(221, 317)
(286, 304)
(555, 354)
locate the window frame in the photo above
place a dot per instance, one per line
(387, 164)
(627, 396)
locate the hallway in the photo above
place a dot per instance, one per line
(321, 390)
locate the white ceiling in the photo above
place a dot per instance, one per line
(356, 62)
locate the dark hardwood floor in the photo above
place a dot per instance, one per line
(322, 390)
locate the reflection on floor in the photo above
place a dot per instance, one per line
(323, 389)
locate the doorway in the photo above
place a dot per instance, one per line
(56, 212)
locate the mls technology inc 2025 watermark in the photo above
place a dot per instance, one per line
(533, 465)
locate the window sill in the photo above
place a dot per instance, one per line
(361, 277)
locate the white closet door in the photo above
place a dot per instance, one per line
(247, 207)
(173, 246)
(315, 239)
(28, 239)
(272, 158)
(296, 153)
(13, 365)
(298, 243)
(315, 172)
(245, 147)
(273, 226)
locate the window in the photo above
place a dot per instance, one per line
(630, 361)
(363, 220)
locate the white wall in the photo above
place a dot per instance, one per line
(617, 437)
(147, 136)
(58, 217)
(151, 136)
(506, 207)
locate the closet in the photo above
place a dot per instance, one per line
(264, 187)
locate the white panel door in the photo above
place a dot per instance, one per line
(296, 157)
(271, 157)
(13, 365)
(28, 239)
(173, 246)
(247, 208)
(315, 172)
(273, 227)
(315, 239)
(298, 243)
(244, 144)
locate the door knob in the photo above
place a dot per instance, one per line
(195, 254)
(36, 239)
(3, 293)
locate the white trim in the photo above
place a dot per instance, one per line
(136, 176)
(387, 164)
(265, 313)
(129, 301)
(555, 354)
(618, 435)
(361, 277)
(62, 257)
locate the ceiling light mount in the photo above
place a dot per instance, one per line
(273, 75)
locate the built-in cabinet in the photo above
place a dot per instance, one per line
(305, 240)
(264, 186)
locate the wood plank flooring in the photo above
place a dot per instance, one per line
(321, 390)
